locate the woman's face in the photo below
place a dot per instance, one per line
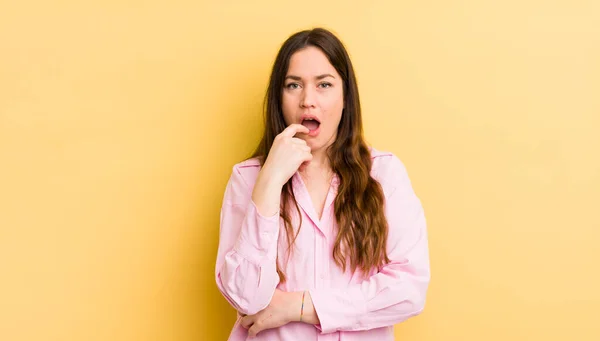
(313, 96)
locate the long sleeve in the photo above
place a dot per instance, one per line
(398, 290)
(245, 268)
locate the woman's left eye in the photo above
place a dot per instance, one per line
(325, 85)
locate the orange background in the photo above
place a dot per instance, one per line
(120, 122)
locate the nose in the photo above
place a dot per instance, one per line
(308, 99)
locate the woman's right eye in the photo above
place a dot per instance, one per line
(292, 86)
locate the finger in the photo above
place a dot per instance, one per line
(247, 321)
(255, 329)
(298, 141)
(260, 325)
(302, 147)
(305, 161)
(294, 129)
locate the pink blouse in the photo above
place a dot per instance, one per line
(349, 307)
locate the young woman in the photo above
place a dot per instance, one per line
(322, 237)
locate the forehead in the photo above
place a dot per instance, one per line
(310, 61)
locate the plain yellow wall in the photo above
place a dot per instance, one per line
(120, 122)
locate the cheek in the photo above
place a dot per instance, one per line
(288, 105)
(333, 109)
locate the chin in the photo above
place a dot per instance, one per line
(315, 146)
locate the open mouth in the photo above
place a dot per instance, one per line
(311, 123)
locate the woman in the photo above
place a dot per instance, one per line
(321, 237)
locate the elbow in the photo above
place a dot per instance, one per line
(414, 302)
(419, 298)
(247, 287)
(244, 302)
(412, 307)
(229, 293)
(420, 294)
(418, 307)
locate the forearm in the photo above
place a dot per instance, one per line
(266, 194)
(302, 311)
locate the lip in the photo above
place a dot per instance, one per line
(307, 116)
(315, 132)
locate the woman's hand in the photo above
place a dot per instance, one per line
(284, 308)
(287, 154)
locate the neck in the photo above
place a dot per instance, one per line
(320, 159)
(319, 163)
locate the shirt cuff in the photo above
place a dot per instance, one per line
(338, 311)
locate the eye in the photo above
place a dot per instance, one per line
(292, 86)
(325, 85)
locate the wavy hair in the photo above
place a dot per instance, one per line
(359, 204)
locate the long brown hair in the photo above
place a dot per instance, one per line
(359, 204)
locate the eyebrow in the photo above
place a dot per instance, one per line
(319, 77)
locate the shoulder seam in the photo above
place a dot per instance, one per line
(377, 154)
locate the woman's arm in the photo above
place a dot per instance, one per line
(245, 268)
(398, 290)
